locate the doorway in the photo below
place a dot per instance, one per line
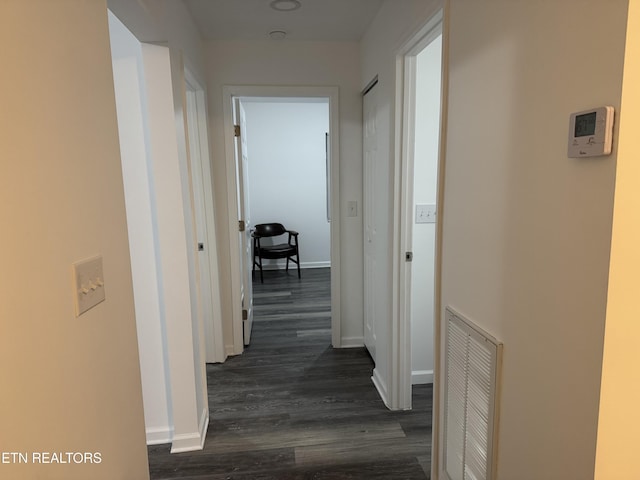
(405, 217)
(424, 208)
(421, 75)
(414, 206)
(256, 95)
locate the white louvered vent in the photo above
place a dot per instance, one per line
(471, 382)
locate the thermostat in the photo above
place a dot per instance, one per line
(591, 132)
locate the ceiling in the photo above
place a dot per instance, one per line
(316, 20)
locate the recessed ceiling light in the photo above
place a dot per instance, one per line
(285, 5)
(277, 34)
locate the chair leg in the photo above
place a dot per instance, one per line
(256, 253)
(261, 276)
(259, 263)
(298, 263)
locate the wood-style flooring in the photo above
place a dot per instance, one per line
(292, 407)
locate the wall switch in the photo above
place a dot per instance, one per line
(88, 284)
(425, 214)
(352, 208)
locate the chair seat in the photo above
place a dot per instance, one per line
(277, 251)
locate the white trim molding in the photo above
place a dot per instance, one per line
(159, 435)
(188, 442)
(281, 265)
(381, 386)
(421, 377)
(352, 342)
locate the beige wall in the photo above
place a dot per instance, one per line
(69, 384)
(526, 230)
(616, 457)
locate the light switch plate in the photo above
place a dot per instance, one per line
(425, 213)
(88, 284)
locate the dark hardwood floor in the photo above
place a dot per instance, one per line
(292, 407)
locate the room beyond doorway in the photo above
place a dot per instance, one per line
(288, 171)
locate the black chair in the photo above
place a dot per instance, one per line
(283, 250)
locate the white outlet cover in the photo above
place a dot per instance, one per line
(352, 207)
(88, 284)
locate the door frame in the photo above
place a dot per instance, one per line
(403, 217)
(368, 224)
(331, 93)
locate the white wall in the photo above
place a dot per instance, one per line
(295, 63)
(132, 128)
(526, 230)
(287, 172)
(425, 169)
(185, 362)
(70, 384)
(164, 22)
(616, 456)
(394, 25)
(175, 323)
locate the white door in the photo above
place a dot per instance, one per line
(370, 152)
(244, 236)
(213, 345)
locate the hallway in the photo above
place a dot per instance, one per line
(292, 407)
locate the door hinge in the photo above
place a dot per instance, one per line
(241, 226)
(245, 314)
(236, 130)
(408, 256)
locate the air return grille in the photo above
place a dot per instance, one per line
(471, 377)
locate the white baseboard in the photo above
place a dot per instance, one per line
(303, 265)
(188, 442)
(324, 264)
(381, 386)
(204, 425)
(159, 435)
(351, 342)
(420, 377)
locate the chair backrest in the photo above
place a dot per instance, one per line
(269, 229)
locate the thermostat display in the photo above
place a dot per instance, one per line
(591, 133)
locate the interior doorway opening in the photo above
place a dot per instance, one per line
(424, 209)
(421, 74)
(293, 179)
